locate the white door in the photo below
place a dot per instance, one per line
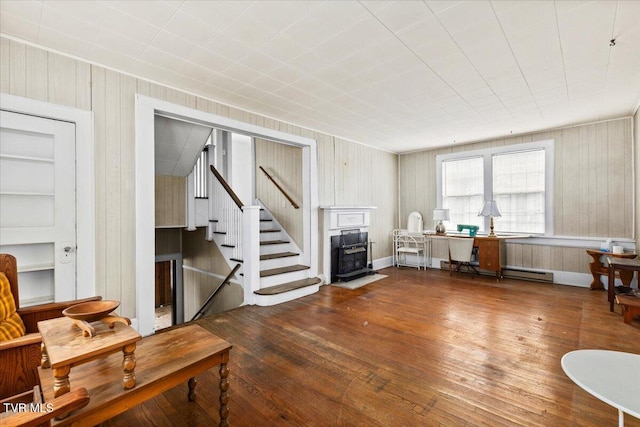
(38, 205)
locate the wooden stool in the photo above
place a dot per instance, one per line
(630, 306)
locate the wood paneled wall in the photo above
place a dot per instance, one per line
(171, 200)
(284, 164)
(592, 190)
(35, 73)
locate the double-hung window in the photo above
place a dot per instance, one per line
(518, 177)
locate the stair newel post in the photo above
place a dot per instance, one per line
(251, 251)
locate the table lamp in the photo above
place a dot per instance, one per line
(491, 210)
(440, 215)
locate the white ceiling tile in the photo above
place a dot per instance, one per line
(309, 62)
(374, 6)
(280, 14)
(115, 59)
(241, 73)
(212, 61)
(130, 27)
(183, 25)
(286, 74)
(267, 83)
(217, 14)
(25, 10)
(60, 41)
(251, 31)
(402, 14)
(175, 45)
(152, 12)
(195, 72)
(229, 48)
(260, 62)
(18, 27)
(62, 22)
(90, 11)
(283, 48)
(109, 40)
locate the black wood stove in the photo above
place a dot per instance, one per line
(349, 255)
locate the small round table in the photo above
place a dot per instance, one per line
(611, 376)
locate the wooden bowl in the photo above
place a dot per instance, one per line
(90, 311)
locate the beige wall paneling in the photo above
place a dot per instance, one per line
(170, 201)
(127, 190)
(17, 84)
(204, 255)
(5, 62)
(284, 164)
(326, 170)
(168, 241)
(384, 187)
(98, 95)
(113, 203)
(37, 86)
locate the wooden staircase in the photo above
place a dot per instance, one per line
(282, 276)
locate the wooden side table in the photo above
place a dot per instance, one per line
(64, 346)
(598, 269)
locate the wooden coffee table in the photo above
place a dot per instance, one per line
(166, 360)
(64, 347)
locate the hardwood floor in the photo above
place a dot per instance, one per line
(415, 349)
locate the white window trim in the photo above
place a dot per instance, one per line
(486, 154)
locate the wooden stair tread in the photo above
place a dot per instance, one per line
(286, 287)
(278, 255)
(273, 242)
(271, 230)
(283, 270)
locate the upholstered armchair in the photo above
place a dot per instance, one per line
(20, 357)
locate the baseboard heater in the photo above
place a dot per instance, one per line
(535, 276)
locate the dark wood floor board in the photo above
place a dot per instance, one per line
(416, 348)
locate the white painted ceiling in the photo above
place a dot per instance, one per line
(178, 145)
(397, 75)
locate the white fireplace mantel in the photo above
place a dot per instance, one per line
(336, 219)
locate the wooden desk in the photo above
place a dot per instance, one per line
(492, 251)
(620, 264)
(64, 347)
(598, 269)
(164, 361)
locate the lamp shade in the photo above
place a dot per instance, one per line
(490, 208)
(441, 214)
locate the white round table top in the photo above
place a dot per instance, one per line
(611, 376)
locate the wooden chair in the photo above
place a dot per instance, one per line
(31, 410)
(21, 356)
(460, 252)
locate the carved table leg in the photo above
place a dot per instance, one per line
(596, 268)
(129, 366)
(44, 357)
(224, 395)
(61, 384)
(192, 389)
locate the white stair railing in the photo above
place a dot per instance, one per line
(227, 210)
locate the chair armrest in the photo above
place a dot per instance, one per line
(68, 402)
(34, 314)
(34, 338)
